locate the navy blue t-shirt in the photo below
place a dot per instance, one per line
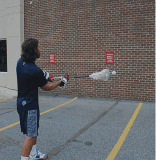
(29, 78)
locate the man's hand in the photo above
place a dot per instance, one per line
(47, 76)
(64, 80)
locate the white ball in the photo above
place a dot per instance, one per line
(113, 73)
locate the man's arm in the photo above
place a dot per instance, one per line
(49, 87)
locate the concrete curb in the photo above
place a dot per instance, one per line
(4, 96)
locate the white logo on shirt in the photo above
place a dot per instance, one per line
(24, 103)
(23, 63)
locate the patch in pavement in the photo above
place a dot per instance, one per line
(6, 141)
(63, 145)
(88, 143)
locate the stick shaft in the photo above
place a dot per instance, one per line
(56, 78)
(79, 76)
(70, 77)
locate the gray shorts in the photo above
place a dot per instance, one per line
(32, 129)
(30, 123)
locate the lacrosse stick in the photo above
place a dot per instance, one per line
(104, 75)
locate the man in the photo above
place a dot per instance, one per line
(29, 78)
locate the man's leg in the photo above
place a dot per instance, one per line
(27, 145)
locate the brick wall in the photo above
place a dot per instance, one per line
(80, 32)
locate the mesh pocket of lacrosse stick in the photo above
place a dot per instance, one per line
(104, 75)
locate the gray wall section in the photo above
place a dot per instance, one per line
(11, 28)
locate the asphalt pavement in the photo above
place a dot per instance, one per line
(77, 128)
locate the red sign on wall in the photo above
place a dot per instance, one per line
(51, 57)
(109, 57)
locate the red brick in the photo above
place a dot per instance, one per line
(81, 32)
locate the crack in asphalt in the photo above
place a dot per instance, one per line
(62, 146)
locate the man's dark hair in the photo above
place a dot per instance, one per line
(28, 50)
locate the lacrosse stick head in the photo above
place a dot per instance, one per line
(104, 75)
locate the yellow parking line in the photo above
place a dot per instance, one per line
(2, 100)
(9, 126)
(122, 138)
(58, 106)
